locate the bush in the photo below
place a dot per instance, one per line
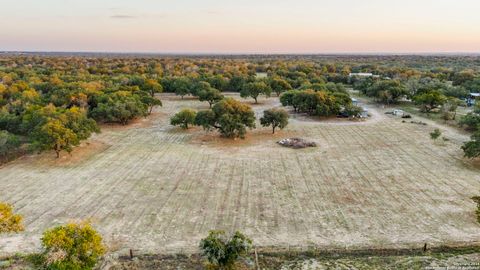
(221, 251)
(352, 110)
(183, 118)
(72, 246)
(471, 149)
(471, 121)
(435, 134)
(477, 212)
(9, 222)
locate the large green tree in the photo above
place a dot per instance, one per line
(209, 94)
(276, 118)
(229, 116)
(254, 89)
(430, 100)
(183, 118)
(279, 85)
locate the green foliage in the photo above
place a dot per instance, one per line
(287, 99)
(9, 222)
(119, 107)
(476, 199)
(209, 94)
(151, 102)
(335, 87)
(182, 86)
(320, 103)
(387, 91)
(471, 149)
(152, 87)
(351, 110)
(229, 116)
(54, 135)
(184, 118)
(254, 89)
(205, 119)
(449, 108)
(8, 142)
(471, 120)
(435, 134)
(279, 85)
(72, 246)
(275, 118)
(59, 130)
(222, 251)
(430, 100)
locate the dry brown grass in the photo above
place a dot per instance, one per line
(379, 183)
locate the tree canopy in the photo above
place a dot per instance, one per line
(229, 116)
(276, 118)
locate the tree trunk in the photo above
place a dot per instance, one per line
(273, 131)
(255, 100)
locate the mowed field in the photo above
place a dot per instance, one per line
(152, 187)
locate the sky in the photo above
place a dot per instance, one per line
(241, 26)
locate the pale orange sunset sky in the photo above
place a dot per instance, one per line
(242, 26)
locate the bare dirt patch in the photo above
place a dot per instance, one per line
(254, 137)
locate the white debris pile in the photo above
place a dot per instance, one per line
(296, 143)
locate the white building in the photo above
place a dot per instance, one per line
(363, 74)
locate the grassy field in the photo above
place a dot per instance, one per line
(154, 188)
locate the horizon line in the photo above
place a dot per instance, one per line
(432, 53)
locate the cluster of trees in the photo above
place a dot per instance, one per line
(319, 103)
(209, 89)
(46, 111)
(119, 89)
(230, 117)
(428, 93)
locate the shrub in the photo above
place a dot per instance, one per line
(72, 246)
(183, 118)
(477, 212)
(435, 134)
(471, 149)
(222, 251)
(352, 110)
(9, 222)
(471, 121)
